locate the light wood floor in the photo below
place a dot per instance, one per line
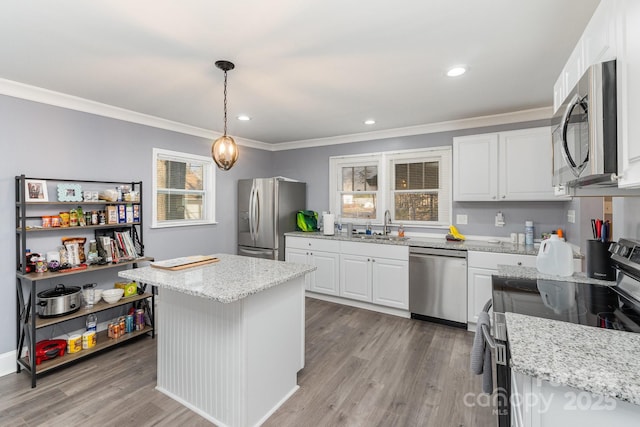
(362, 369)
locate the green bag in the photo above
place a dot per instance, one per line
(307, 220)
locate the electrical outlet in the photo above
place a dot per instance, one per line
(571, 216)
(461, 219)
(499, 220)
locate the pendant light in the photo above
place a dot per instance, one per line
(224, 149)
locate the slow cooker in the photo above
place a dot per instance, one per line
(59, 301)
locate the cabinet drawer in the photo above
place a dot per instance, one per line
(311, 243)
(375, 250)
(492, 260)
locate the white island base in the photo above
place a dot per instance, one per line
(232, 363)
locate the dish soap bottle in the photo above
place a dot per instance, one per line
(401, 231)
(368, 229)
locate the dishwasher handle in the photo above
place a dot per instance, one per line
(452, 253)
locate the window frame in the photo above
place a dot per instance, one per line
(386, 179)
(441, 155)
(208, 188)
(335, 180)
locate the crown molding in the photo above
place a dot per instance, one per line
(70, 102)
(58, 99)
(474, 122)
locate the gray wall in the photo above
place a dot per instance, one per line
(312, 165)
(50, 142)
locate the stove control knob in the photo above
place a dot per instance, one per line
(623, 251)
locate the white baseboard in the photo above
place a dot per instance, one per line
(360, 304)
(7, 363)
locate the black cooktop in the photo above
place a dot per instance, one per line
(581, 303)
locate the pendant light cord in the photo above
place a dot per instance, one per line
(225, 103)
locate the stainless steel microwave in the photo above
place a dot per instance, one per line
(585, 143)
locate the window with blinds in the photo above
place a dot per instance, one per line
(183, 189)
(420, 188)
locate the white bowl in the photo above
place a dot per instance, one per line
(112, 295)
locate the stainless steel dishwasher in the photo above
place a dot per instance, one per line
(438, 285)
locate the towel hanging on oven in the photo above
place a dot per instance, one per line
(481, 351)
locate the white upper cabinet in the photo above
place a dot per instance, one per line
(513, 165)
(596, 45)
(628, 75)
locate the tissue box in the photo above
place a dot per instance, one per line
(130, 289)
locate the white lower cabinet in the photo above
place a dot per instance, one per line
(355, 277)
(375, 273)
(314, 252)
(372, 273)
(390, 280)
(537, 403)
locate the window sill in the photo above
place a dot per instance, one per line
(184, 224)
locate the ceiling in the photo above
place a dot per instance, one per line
(304, 70)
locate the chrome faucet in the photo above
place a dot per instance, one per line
(387, 222)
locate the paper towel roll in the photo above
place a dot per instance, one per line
(328, 224)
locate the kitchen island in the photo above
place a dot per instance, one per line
(230, 335)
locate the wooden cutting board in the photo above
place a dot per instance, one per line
(185, 262)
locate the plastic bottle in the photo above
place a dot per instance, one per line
(401, 231)
(555, 257)
(368, 230)
(92, 322)
(528, 233)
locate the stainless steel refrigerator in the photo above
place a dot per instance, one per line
(267, 209)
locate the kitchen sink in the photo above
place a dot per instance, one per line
(379, 237)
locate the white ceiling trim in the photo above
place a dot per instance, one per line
(542, 113)
(58, 99)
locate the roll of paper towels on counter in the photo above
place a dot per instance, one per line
(328, 224)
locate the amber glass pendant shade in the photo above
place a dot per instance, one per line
(224, 152)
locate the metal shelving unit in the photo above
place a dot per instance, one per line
(27, 321)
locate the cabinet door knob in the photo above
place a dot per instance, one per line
(373, 260)
(504, 196)
(368, 259)
(493, 197)
(519, 263)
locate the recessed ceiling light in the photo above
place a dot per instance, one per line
(456, 71)
(369, 122)
(244, 117)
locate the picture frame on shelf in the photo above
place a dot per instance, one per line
(69, 193)
(36, 190)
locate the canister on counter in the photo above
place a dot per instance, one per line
(89, 339)
(74, 344)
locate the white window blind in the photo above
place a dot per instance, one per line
(183, 189)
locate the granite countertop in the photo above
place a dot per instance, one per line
(519, 272)
(431, 242)
(600, 361)
(232, 278)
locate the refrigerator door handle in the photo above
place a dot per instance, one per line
(256, 213)
(251, 203)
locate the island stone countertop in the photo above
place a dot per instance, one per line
(600, 361)
(429, 242)
(230, 279)
(520, 272)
